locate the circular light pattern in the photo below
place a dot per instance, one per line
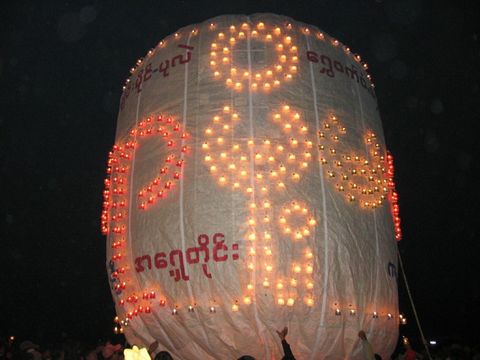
(302, 215)
(230, 62)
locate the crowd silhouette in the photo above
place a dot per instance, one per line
(70, 349)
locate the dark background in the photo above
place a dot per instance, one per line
(62, 66)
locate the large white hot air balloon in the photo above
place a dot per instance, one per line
(249, 188)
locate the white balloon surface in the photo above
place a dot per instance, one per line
(249, 188)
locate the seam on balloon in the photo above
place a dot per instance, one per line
(180, 200)
(252, 183)
(377, 250)
(201, 323)
(130, 203)
(324, 209)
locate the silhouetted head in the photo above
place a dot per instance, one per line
(163, 355)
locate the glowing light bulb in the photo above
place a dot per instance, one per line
(309, 269)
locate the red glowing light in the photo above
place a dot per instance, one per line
(115, 194)
(395, 209)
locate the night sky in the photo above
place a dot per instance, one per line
(62, 66)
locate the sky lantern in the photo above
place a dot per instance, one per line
(249, 188)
